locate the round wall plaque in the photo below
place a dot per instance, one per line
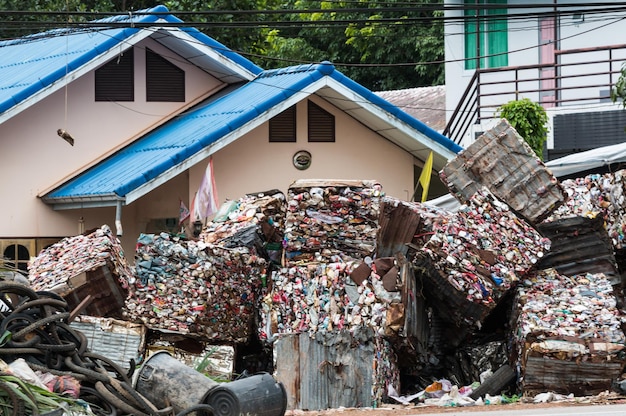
(302, 160)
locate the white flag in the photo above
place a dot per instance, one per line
(205, 201)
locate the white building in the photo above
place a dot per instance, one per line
(566, 55)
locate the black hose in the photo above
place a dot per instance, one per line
(115, 401)
(197, 407)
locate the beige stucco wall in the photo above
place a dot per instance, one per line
(253, 164)
(34, 159)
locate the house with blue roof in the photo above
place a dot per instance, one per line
(115, 122)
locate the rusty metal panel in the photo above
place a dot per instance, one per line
(416, 323)
(314, 387)
(398, 223)
(580, 245)
(334, 369)
(287, 367)
(504, 163)
(583, 378)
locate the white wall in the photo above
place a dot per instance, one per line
(523, 38)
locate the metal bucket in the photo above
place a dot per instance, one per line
(165, 381)
(257, 395)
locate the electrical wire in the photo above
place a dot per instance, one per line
(88, 27)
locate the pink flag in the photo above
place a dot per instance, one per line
(184, 213)
(205, 202)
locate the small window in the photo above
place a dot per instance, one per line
(283, 126)
(115, 80)
(16, 256)
(164, 80)
(321, 124)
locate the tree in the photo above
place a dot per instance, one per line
(529, 119)
(381, 45)
(372, 44)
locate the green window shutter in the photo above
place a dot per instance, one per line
(497, 36)
(471, 34)
(491, 32)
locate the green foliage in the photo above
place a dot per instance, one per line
(381, 45)
(529, 119)
(370, 46)
(618, 92)
(36, 400)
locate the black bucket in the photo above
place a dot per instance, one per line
(257, 395)
(165, 381)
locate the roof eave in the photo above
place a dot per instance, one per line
(87, 201)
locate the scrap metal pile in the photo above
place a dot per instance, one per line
(87, 268)
(336, 259)
(54, 266)
(330, 231)
(577, 313)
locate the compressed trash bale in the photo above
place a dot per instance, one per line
(195, 288)
(475, 256)
(327, 218)
(85, 265)
(598, 195)
(568, 335)
(321, 297)
(503, 162)
(255, 219)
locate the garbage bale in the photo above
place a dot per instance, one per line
(260, 395)
(165, 381)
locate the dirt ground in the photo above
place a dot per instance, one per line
(405, 410)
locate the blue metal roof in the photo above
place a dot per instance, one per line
(186, 135)
(32, 63)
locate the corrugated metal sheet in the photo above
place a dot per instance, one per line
(580, 245)
(582, 378)
(329, 370)
(119, 341)
(185, 136)
(32, 63)
(504, 163)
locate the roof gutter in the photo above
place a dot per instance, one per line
(92, 201)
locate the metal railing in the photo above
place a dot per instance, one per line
(579, 76)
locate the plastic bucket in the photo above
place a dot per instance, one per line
(165, 381)
(260, 394)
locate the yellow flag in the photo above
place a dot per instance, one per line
(425, 176)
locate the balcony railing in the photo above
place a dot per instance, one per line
(579, 76)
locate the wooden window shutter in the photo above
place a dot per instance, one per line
(283, 126)
(164, 80)
(115, 80)
(321, 124)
